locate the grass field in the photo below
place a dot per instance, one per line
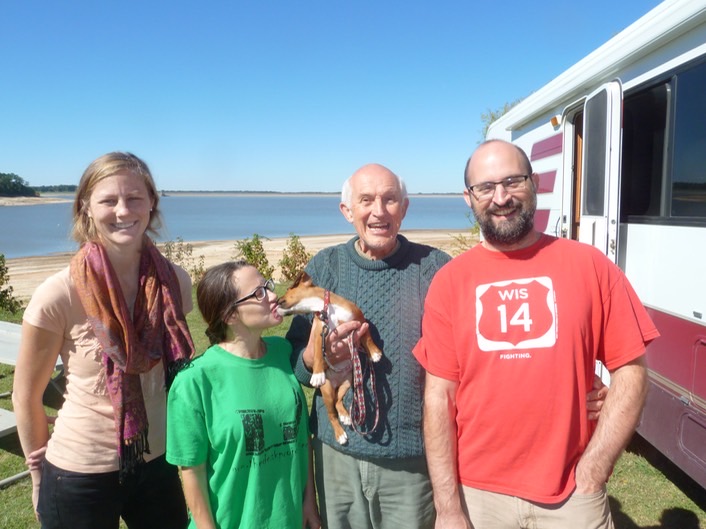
(646, 490)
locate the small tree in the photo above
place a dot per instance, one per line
(253, 252)
(182, 254)
(294, 258)
(464, 242)
(489, 116)
(8, 302)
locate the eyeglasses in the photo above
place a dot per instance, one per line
(259, 293)
(486, 190)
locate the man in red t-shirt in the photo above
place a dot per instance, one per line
(511, 333)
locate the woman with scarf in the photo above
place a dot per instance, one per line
(115, 315)
(237, 420)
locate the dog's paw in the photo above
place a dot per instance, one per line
(345, 419)
(342, 439)
(375, 357)
(317, 379)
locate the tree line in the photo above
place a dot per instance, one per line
(12, 185)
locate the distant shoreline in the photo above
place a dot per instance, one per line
(32, 201)
(56, 198)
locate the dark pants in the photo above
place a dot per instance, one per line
(151, 498)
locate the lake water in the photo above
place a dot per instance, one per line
(44, 229)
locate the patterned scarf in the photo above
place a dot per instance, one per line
(130, 346)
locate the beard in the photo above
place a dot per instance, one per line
(507, 232)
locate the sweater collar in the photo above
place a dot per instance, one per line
(390, 261)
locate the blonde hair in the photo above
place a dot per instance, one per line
(108, 165)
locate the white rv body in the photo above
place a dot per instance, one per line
(619, 144)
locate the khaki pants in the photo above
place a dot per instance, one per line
(489, 510)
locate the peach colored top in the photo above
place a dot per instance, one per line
(84, 438)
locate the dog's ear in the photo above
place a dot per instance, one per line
(302, 278)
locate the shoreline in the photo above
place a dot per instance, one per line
(49, 199)
(32, 201)
(26, 273)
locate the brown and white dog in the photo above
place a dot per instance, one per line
(305, 297)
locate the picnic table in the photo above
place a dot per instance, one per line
(9, 349)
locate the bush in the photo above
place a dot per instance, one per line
(465, 242)
(294, 258)
(182, 254)
(253, 252)
(8, 302)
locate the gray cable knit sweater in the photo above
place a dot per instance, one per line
(391, 294)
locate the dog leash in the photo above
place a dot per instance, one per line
(358, 411)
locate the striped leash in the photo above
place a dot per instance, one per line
(358, 411)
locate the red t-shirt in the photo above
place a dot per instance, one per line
(521, 332)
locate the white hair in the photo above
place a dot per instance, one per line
(347, 191)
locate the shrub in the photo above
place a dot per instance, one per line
(294, 258)
(253, 252)
(182, 254)
(465, 242)
(8, 302)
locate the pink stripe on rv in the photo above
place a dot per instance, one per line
(541, 219)
(547, 147)
(546, 182)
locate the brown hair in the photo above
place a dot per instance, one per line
(215, 294)
(101, 168)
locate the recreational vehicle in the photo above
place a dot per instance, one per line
(619, 144)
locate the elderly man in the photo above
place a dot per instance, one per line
(379, 479)
(511, 332)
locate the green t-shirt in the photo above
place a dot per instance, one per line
(246, 419)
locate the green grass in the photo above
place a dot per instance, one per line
(646, 491)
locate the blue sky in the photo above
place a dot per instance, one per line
(276, 95)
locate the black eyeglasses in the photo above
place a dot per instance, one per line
(259, 293)
(511, 184)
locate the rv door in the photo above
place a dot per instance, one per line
(600, 169)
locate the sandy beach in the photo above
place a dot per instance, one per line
(28, 272)
(30, 201)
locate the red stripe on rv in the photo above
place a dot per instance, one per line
(679, 354)
(544, 148)
(541, 219)
(546, 182)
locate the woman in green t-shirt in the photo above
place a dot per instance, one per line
(237, 417)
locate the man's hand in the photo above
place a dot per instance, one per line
(596, 398)
(336, 343)
(337, 340)
(457, 520)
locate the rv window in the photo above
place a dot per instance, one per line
(644, 124)
(595, 154)
(689, 162)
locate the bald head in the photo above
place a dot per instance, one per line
(374, 200)
(373, 171)
(494, 154)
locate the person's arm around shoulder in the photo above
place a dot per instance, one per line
(185, 286)
(39, 350)
(617, 422)
(196, 494)
(442, 452)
